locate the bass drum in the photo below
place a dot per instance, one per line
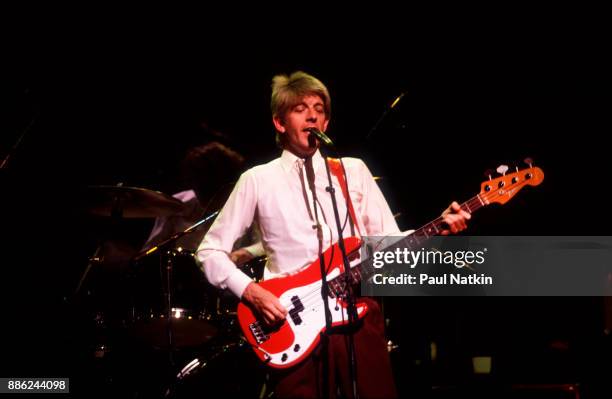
(228, 370)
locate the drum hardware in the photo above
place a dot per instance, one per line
(118, 203)
(227, 367)
(174, 315)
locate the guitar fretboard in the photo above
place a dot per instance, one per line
(365, 269)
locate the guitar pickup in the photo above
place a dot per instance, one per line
(295, 311)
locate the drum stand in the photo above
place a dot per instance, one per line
(116, 214)
(94, 260)
(168, 274)
(168, 297)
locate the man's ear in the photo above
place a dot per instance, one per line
(278, 124)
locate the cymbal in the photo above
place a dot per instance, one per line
(130, 202)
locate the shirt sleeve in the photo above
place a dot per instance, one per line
(376, 215)
(233, 220)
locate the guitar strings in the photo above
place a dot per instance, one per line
(313, 297)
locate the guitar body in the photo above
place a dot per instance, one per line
(288, 344)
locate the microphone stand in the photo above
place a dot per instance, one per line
(384, 115)
(173, 238)
(17, 143)
(348, 296)
(310, 177)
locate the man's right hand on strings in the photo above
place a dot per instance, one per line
(265, 303)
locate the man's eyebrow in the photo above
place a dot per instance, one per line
(303, 103)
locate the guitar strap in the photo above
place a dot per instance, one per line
(337, 169)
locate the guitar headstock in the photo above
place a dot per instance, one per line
(503, 188)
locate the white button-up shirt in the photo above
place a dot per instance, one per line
(278, 197)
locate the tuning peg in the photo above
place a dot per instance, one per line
(488, 173)
(529, 162)
(515, 178)
(502, 169)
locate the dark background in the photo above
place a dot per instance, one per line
(122, 101)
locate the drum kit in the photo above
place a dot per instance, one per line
(170, 307)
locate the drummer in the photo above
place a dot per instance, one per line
(209, 171)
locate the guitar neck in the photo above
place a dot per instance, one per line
(436, 226)
(365, 269)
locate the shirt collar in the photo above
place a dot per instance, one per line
(289, 160)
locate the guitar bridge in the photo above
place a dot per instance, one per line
(258, 333)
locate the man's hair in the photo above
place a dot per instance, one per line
(208, 167)
(288, 91)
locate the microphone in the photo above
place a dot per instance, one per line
(323, 138)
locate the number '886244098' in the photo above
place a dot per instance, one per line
(34, 384)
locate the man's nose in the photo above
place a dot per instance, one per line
(311, 116)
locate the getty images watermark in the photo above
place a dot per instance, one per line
(412, 258)
(492, 266)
